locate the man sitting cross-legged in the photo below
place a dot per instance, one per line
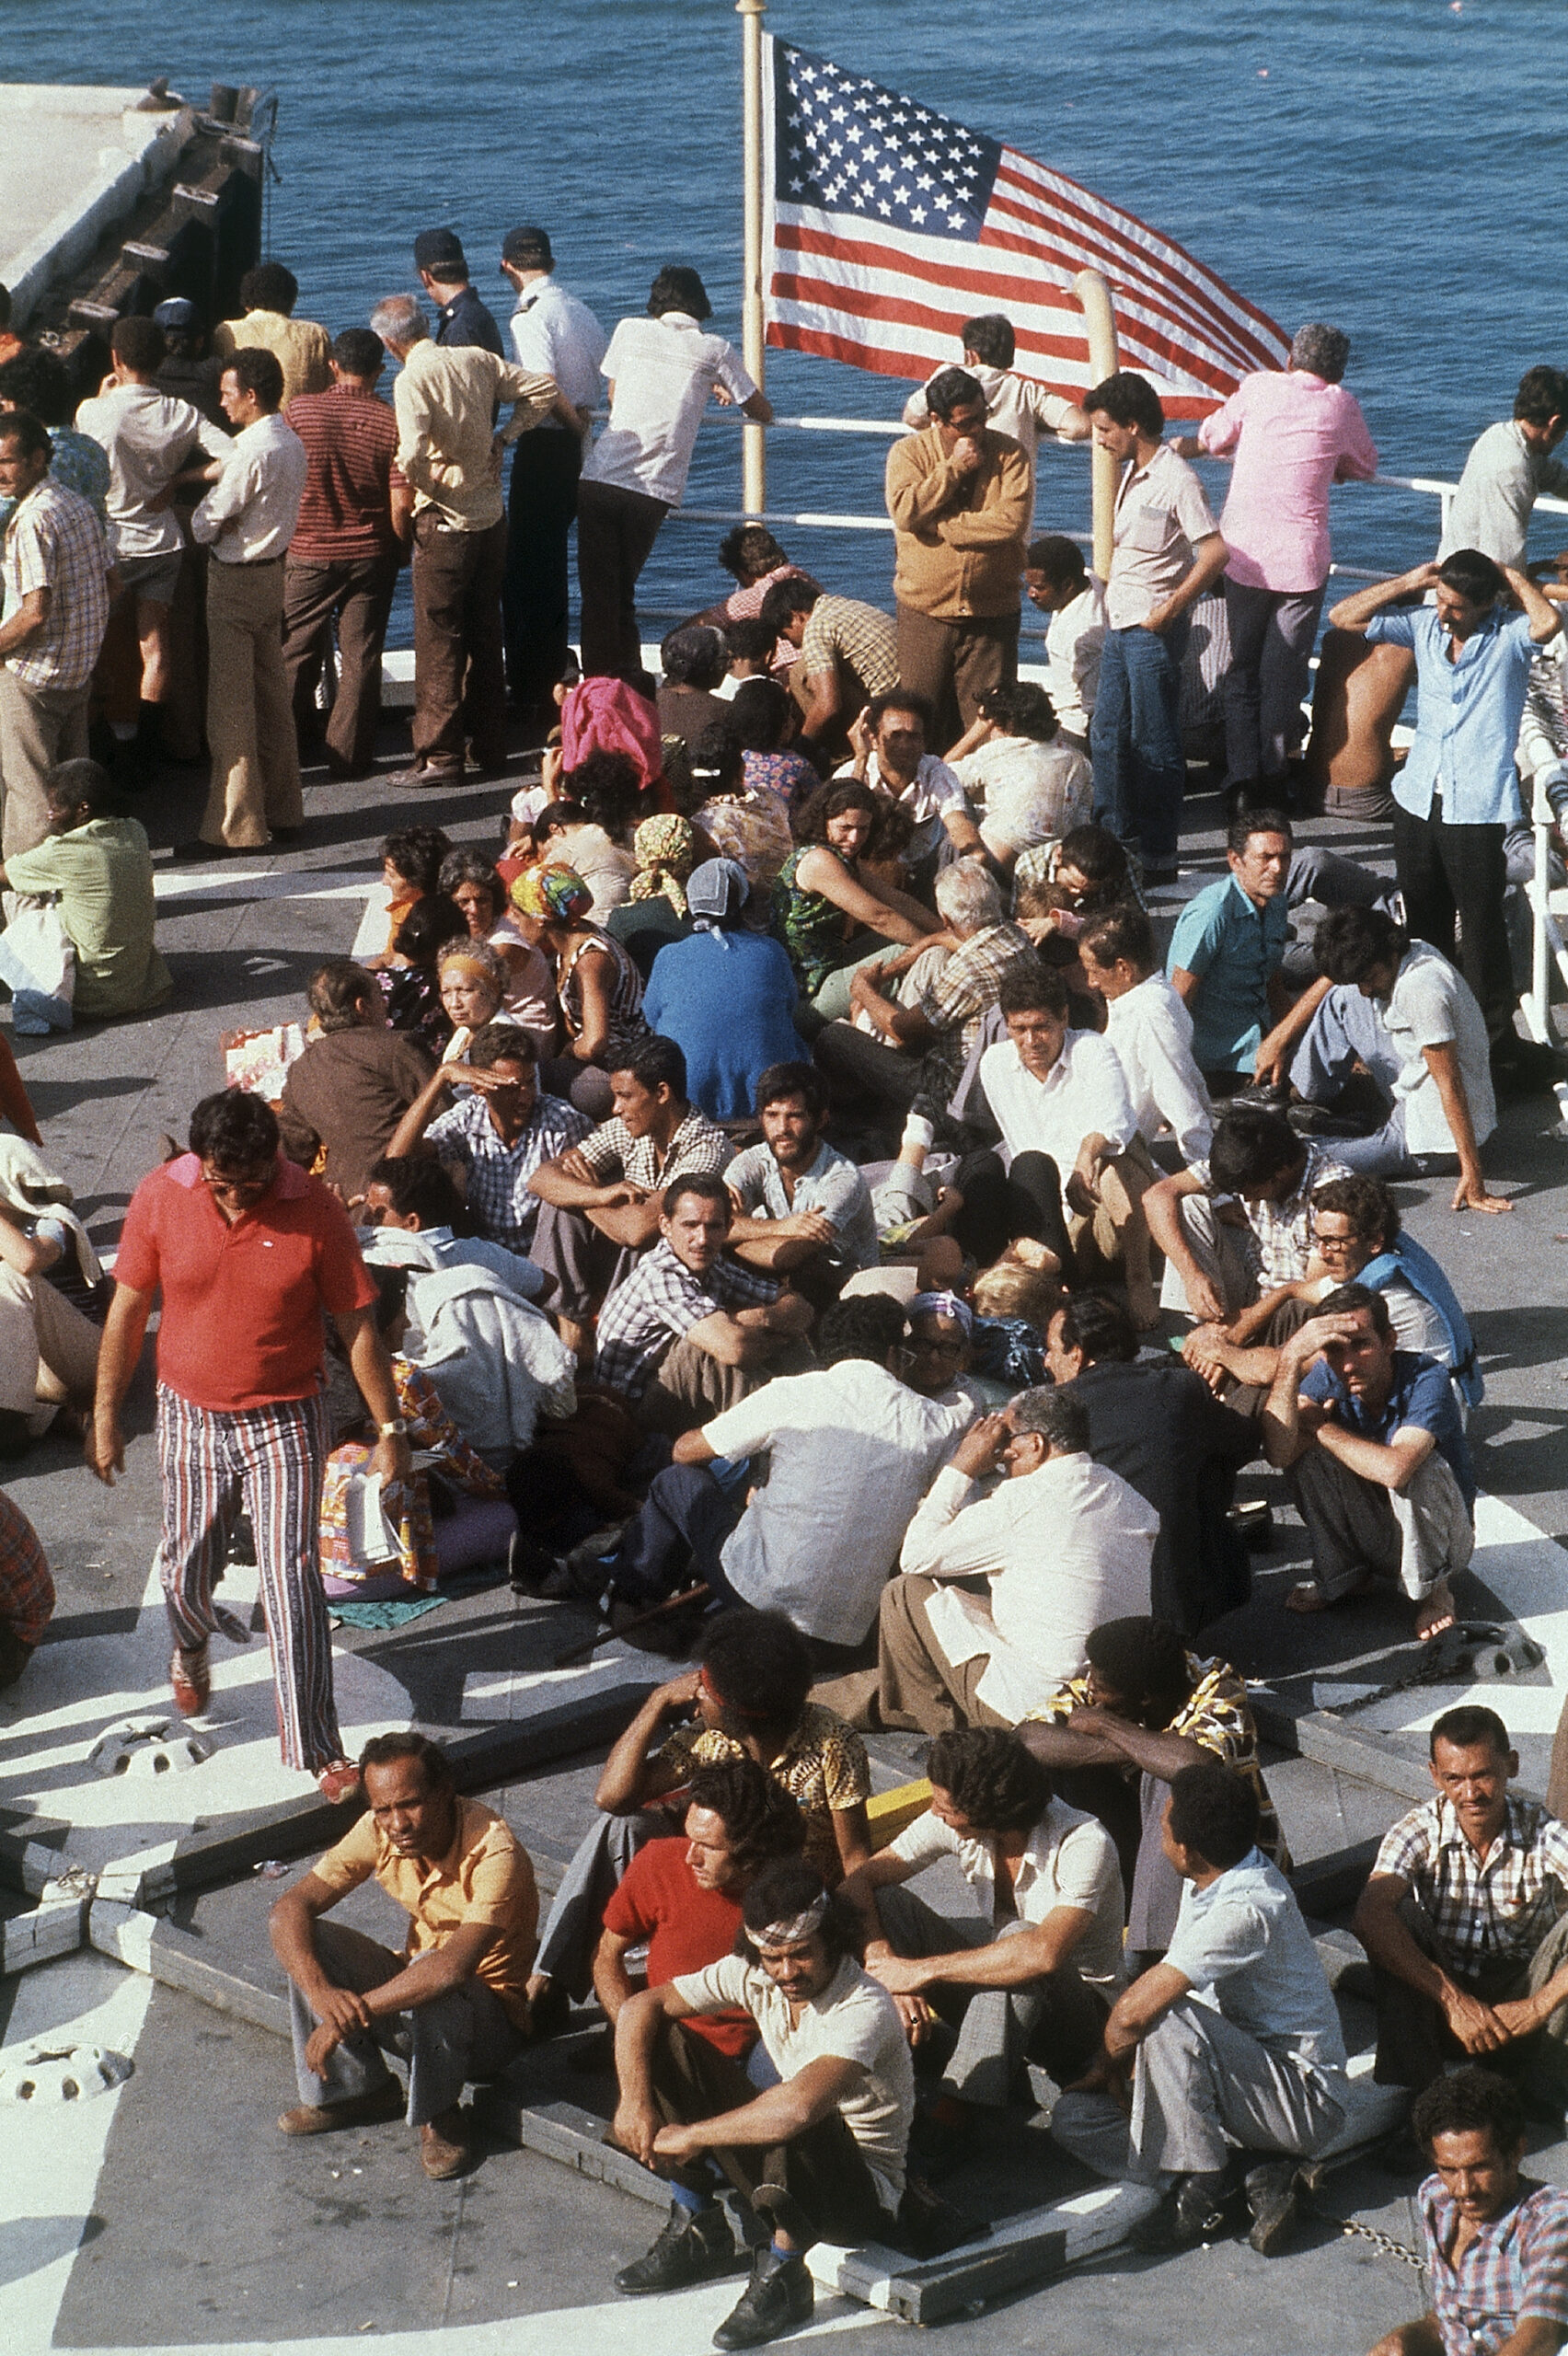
(1462, 1919)
(454, 2002)
(1241, 1220)
(820, 2155)
(1375, 1445)
(801, 1208)
(682, 1898)
(1031, 1977)
(1232, 2044)
(1496, 2241)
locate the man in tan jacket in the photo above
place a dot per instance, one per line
(961, 498)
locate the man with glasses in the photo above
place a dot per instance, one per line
(247, 1253)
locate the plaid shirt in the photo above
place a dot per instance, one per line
(1216, 1716)
(56, 541)
(1282, 1232)
(697, 1149)
(1489, 1912)
(963, 995)
(1517, 2265)
(27, 1591)
(864, 638)
(498, 1194)
(659, 1303)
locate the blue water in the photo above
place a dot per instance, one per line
(1389, 166)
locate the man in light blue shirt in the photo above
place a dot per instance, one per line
(1458, 794)
(1227, 948)
(1233, 2039)
(797, 1200)
(415, 1196)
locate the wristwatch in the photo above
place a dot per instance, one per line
(394, 1430)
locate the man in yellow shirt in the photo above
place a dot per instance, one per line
(301, 349)
(455, 2002)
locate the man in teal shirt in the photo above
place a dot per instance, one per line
(101, 869)
(1226, 952)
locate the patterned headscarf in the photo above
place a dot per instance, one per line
(666, 850)
(555, 894)
(945, 1304)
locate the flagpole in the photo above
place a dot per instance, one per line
(753, 441)
(1100, 320)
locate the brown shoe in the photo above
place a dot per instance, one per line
(444, 2148)
(382, 2104)
(190, 1681)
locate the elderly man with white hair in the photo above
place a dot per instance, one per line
(913, 1044)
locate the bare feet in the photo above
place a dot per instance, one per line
(1435, 1612)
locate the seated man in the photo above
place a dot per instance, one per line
(801, 1208)
(681, 1898)
(1032, 1976)
(603, 1196)
(100, 864)
(53, 1300)
(1064, 1544)
(1375, 1446)
(1057, 581)
(1496, 2241)
(1230, 2049)
(1112, 1738)
(919, 1048)
(1160, 1426)
(1031, 786)
(850, 1448)
(1227, 949)
(347, 1094)
(27, 1591)
(1397, 1006)
(1241, 1221)
(890, 741)
(454, 2000)
(848, 652)
(1148, 1025)
(690, 1330)
(416, 1197)
(497, 1133)
(1463, 1919)
(821, 2154)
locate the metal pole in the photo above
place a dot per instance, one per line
(1100, 321)
(754, 440)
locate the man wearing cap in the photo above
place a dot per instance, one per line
(189, 372)
(460, 317)
(553, 334)
(446, 398)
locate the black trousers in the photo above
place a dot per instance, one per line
(1001, 1205)
(1448, 872)
(860, 1066)
(616, 532)
(541, 505)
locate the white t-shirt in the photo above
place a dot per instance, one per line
(851, 1451)
(1033, 793)
(1151, 1031)
(663, 370)
(934, 790)
(1069, 1860)
(149, 438)
(1433, 1004)
(1073, 646)
(854, 2019)
(1083, 1094)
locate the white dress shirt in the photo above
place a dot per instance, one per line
(1083, 1094)
(148, 436)
(1151, 1031)
(1064, 1548)
(249, 515)
(663, 371)
(553, 334)
(1069, 1859)
(1073, 645)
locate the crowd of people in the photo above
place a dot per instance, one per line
(745, 1194)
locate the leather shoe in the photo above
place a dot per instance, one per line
(778, 2298)
(443, 2146)
(1272, 2190)
(1191, 2213)
(695, 2243)
(382, 2102)
(418, 775)
(338, 1781)
(191, 1680)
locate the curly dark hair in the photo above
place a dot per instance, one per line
(830, 801)
(758, 1666)
(762, 1820)
(997, 1783)
(1472, 2101)
(1214, 1811)
(233, 1130)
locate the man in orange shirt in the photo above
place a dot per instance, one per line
(247, 1253)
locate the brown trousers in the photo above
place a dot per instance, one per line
(952, 664)
(39, 726)
(255, 784)
(358, 597)
(459, 665)
(916, 1684)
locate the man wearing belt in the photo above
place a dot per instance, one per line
(248, 520)
(553, 335)
(446, 398)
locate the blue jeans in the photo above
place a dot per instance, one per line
(1140, 769)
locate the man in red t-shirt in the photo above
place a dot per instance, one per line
(353, 534)
(247, 1253)
(684, 1897)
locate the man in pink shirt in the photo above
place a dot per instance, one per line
(1291, 436)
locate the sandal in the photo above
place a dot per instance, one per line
(191, 1680)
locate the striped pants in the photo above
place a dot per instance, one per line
(268, 1461)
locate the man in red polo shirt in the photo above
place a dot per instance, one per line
(353, 534)
(247, 1253)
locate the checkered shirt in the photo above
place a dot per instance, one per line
(1491, 1911)
(864, 638)
(27, 1591)
(497, 1195)
(659, 1303)
(56, 541)
(1217, 1717)
(1517, 2265)
(697, 1149)
(1282, 1232)
(963, 995)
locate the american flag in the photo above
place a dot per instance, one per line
(889, 225)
